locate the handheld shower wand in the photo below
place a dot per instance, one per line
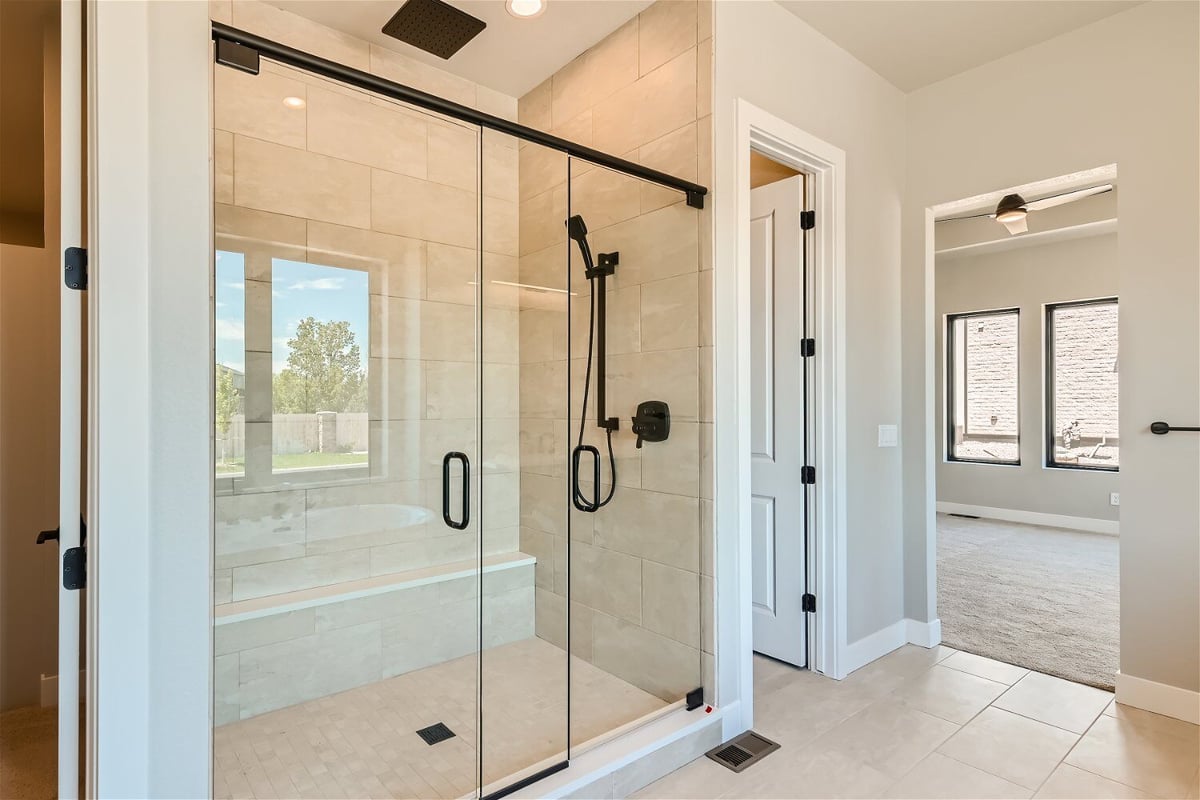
(597, 330)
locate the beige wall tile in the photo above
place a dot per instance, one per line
(596, 74)
(673, 466)
(534, 108)
(500, 227)
(257, 402)
(501, 159)
(252, 105)
(704, 19)
(674, 154)
(578, 129)
(396, 389)
(674, 519)
(221, 11)
(653, 246)
(658, 103)
(222, 586)
(704, 85)
(395, 264)
(284, 180)
(222, 167)
(376, 608)
(427, 552)
(226, 707)
(671, 602)
(451, 273)
(407, 644)
(541, 169)
(423, 209)
(498, 104)
(253, 528)
(236, 636)
(542, 220)
(543, 503)
(365, 515)
(324, 663)
(670, 310)
(607, 581)
(261, 236)
(666, 29)
(454, 155)
(419, 75)
(355, 129)
(446, 395)
(501, 333)
(654, 663)
(605, 197)
(261, 580)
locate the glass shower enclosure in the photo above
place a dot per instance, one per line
(456, 459)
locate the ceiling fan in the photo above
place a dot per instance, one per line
(1013, 209)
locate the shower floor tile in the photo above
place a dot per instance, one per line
(363, 742)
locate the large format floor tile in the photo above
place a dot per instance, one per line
(947, 693)
(1016, 748)
(1159, 758)
(1071, 706)
(938, 776)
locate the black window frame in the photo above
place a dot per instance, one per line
(1048, 443)
(950, 398)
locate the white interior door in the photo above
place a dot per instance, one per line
(70, 396)
(778, 427)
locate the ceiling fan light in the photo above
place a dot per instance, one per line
(1010, 215)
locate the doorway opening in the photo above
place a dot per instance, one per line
(1027, 441)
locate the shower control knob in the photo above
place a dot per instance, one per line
(652, 422)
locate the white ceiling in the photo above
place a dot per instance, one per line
(511, 55)
(913, 43)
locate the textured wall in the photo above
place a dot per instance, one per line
(636, 565)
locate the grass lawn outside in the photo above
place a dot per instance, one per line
(296, 461)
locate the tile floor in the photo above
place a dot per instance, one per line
(362, 743)
(945, 724)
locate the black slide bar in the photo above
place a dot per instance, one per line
(365, 80)
(1163, 428)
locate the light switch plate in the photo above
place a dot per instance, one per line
(888, 436)
(1114, 498)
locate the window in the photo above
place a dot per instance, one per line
(1081, 385)
(319, 329)
(982, 419)
(230, 377)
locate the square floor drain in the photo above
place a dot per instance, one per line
(742, 751)
(436, 733)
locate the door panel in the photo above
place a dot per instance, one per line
(779, 419)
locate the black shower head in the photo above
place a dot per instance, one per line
(577, 230)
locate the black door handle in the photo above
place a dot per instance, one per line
(48, 536)
(1162, 428)
(466, 490)
(581, 502)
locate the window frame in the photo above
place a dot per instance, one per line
(950, 397)
(1048, 434)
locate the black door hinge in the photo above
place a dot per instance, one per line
(808, 348)
(808, 475)
(75, 568)
(808, 220)
(808, 602)
(75, 273)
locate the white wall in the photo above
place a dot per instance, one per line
(1025, 278)
(780, 64)
(1123, 90)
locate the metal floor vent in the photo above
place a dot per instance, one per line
(433, 26)
(741, 751)
(436, 733)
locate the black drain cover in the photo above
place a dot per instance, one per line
(433, 26)
(436, 733)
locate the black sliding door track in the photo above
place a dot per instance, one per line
(365, 80)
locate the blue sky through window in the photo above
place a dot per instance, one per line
(298, 290)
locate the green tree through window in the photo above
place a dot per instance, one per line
(324, 370)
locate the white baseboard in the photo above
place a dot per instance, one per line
(49, 689)
(1170, 701)
(1106, 526)
(924, 634)
(906, 631)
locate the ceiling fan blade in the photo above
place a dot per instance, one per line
(1067, 197)
(972, 216)
(1017, 225)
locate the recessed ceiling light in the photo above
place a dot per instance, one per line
(525, 9)
(294, 102)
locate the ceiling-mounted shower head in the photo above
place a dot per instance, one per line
(434, 26)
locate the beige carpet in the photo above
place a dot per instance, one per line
(1042, 598)
(29, 753)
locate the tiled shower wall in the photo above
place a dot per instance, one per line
(642, 566)
(357, 182)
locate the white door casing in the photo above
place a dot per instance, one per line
(778, 426)
(70, 393)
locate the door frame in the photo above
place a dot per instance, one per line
(826, 165)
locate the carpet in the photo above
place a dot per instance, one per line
(29, 753)
(1046, 599)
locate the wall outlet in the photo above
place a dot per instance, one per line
(888, 436)
(1114, 498)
